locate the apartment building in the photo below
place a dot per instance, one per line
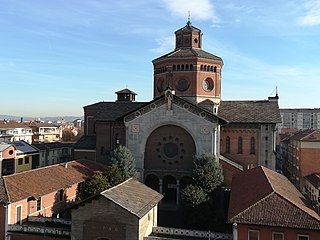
(300, 118)
(300, 153)
(54, 152)
(15, 131)
(44, 132)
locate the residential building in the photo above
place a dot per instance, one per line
(44, 132)
(264, 205)
(54, 152)
(300, 118)
(40, 192)
(129, 213)
(7, 158)
(301, 154)
(15, 131)
(186, 117)
(312, 188)
(26, 157)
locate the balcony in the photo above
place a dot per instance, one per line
(43, 226)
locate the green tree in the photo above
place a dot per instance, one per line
(193, 195)
(113, 175)
(123, 159)
(95, 185)
(199, 199)
(208, 173)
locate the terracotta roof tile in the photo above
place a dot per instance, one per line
(250, 111)
(12, 124)
(261, 196)
(133, 196)
(42, 181)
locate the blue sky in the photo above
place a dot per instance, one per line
(58, 56)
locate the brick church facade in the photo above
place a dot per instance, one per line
(186, 117)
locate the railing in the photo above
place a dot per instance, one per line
(191, 233)
(38, 230)
(47, 219)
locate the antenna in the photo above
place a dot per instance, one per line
(189, 22)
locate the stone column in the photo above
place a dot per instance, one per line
(178, 191)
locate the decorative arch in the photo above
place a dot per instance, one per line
(169, 147)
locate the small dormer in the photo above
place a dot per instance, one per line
(126, 95)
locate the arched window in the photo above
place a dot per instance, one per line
(174, 67)
(182, 67)
(191, 67)
(211, 68)
(215, 69)
(252, 146)
(178, 67)
(201, 67)
(205, 67)
(240, 145)
(187, 66)
(228, 144)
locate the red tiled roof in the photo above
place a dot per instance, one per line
(12, 124)
(41, 124)
(261, 196)
(42, 181)
(306, 135)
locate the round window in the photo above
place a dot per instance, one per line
(170, 150)
(182, 85)
(10, 152)
(207, 84)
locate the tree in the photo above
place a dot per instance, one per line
(113, 175)
(208, 173)
(207, 176)
(123, 159)
(199, 199)
(95, 185)
(193, 195)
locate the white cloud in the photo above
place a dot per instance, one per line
(312, 16)
(200, 9)
(165, 45)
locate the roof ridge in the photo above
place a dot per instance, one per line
(253, 205)
(303, 208)
(45, 167)
(116, 185)
(294, 203)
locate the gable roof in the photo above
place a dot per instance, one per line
(42, 181)
(4, 146)
(133, 196)
(180, 101)
(250, 111)
(261, 196)
(41, 124)
(112, 111)
(11, 124)
(307, 135)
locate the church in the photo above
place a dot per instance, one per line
(186, 117)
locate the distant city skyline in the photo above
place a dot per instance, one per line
(58, 56)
